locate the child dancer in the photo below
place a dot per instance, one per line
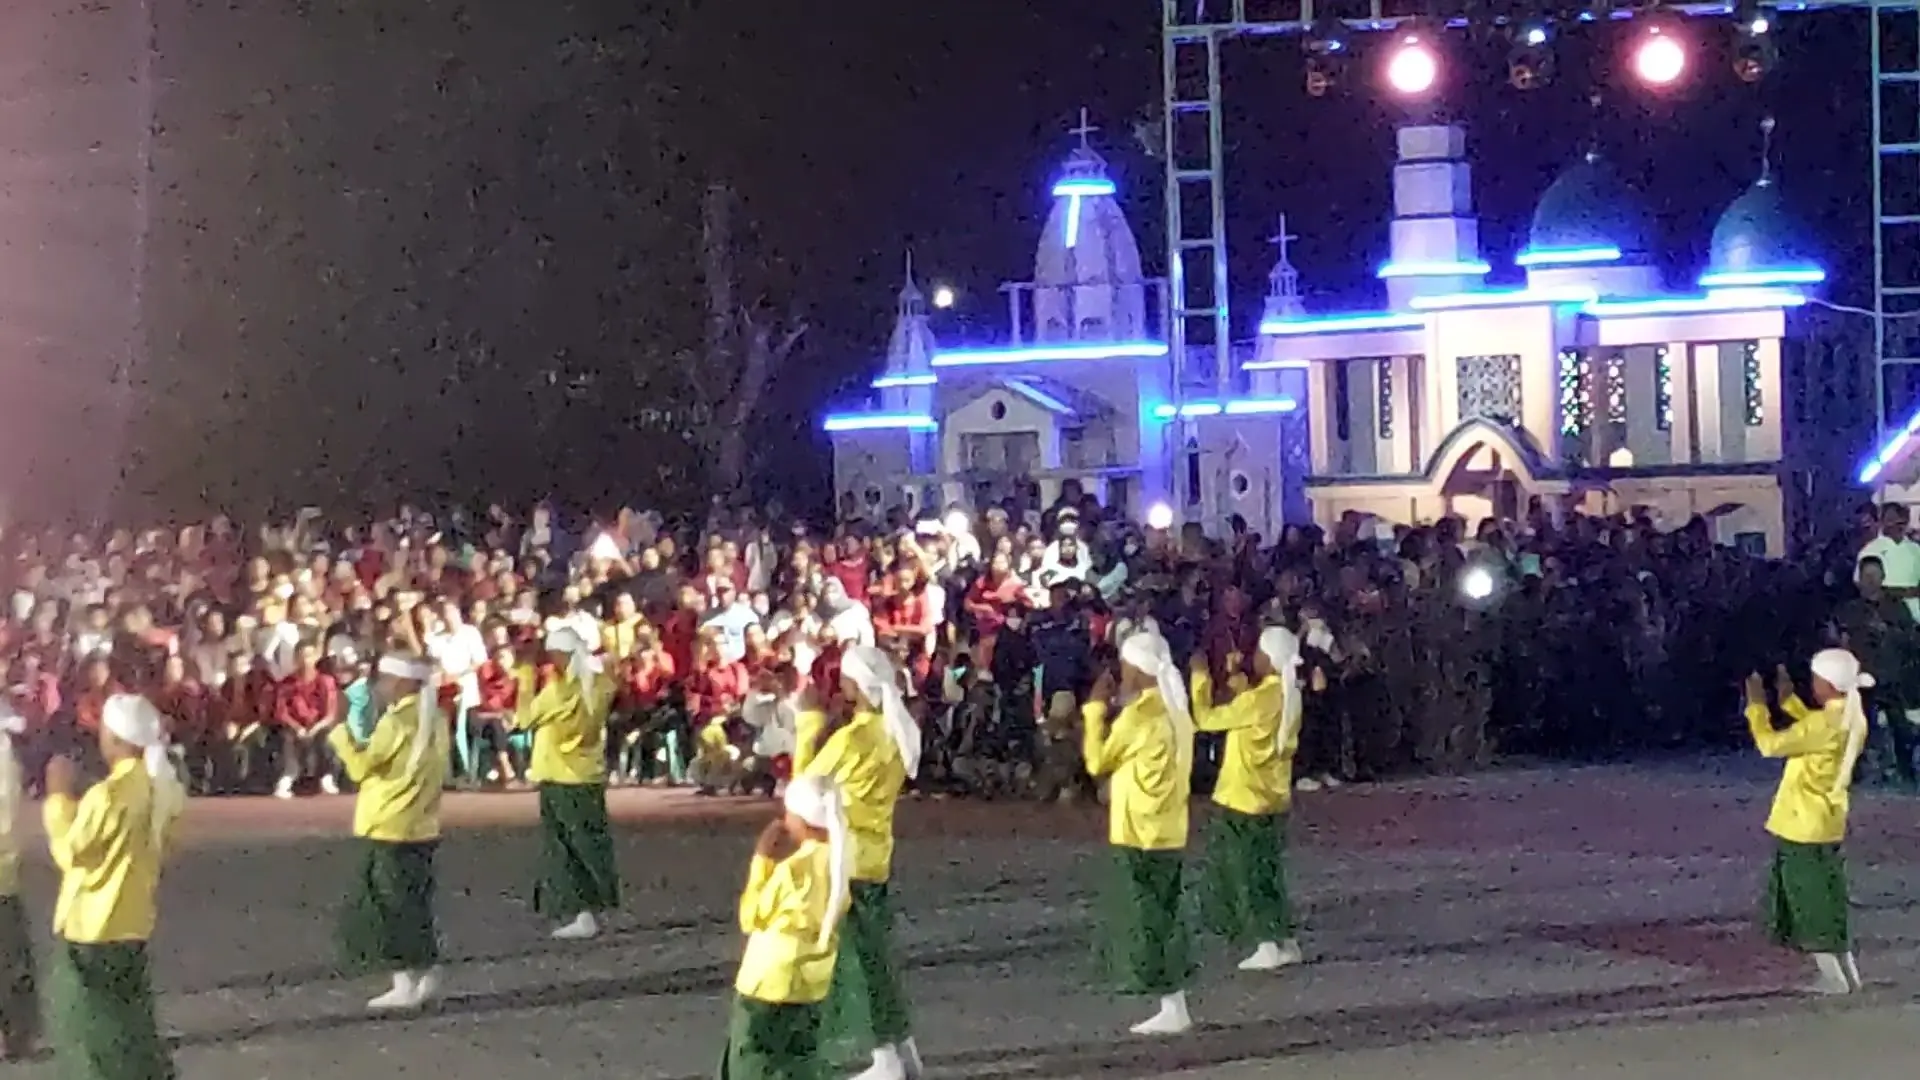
(869, 758)
(1806, 896)
(796, 894)
(19, 1005)
(388, 923)
(109, 845)
(1148, 754)
(568, 719)
(1246, 841)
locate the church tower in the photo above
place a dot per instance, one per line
(907, 384)
(1087, 280)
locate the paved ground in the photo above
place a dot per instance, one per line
(1538, 924)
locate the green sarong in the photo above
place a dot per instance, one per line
(1145, 945)
(766, 1041)
(102, 1014)
(1246, 883)
(19, 1001)
(1806, 899)
(865, 1008)
(577, 872)
(387, 923)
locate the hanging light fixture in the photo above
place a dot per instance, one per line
(1754, 50)
(1530, 61)
(1327, 49)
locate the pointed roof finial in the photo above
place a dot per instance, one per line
(909, 266)
(1283, 284)
(1766, 150)
(1084, 131)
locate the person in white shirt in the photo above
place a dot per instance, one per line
(458, 649)
(1899, 557)
(729, 619)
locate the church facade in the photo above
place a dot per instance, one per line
(1588, 387)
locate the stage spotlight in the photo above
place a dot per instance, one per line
(1327, 49)
(1754, 53)
(1412, 67)
(1530, 61)
(1658, 57)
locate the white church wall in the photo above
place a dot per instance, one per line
(872, 465)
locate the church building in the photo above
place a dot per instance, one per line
(1589, 387)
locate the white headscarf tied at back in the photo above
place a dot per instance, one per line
(1842, 671)
(873, 672)
(1281, 647)
(582, 665)
(132, 719)
(1149, 654)
(426, 712)
(816, 800)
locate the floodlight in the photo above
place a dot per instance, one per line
(1160, 516)
(1412, 66)
(1754, 51)
(1327, 49)
(1659, 59)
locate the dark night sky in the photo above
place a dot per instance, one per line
(524, 187)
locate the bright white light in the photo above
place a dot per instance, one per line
(1759, 26)
(605, 547)
(1659, 60)
(1535, 36)
(1413, 69)
(1160, 516)
(958, 523)
(943, 297)
(1477, 583)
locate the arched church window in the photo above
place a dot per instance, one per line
(1342, 417)
(1193, 472)
(1056, 328)
(1093, 329)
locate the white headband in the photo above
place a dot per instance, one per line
(402, 668)
(581, 663)
(1841, 669)
(1149, 653)
(1281, 647)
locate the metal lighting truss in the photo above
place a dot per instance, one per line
(1193, 31)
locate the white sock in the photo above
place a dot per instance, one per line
(1833, 977)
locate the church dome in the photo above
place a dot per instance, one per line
(1589, 209)
(1758, 237)
(1087, 279)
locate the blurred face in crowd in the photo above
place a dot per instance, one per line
(1871, 576)
(999, 566)
(98, 674)
(1893, 521)
(624, 607)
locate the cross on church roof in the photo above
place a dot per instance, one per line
(1085, 130)
(1282, 239)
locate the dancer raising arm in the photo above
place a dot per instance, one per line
(568, 718)
(796, 895)
(1247, 899)
(109, 845)
(1806, 895)
(1147, 754)
(388, 923)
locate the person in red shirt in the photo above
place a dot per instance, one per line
(853, 568)
(905, 622)
(715, 688)
(491, 721)
(184, 703)
(648, 690)
(306, 705)
(993, 596)
(680, 628)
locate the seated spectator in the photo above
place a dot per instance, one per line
(306, 705)
(491, 722)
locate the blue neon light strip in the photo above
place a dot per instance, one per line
(1039, 397)
(1235, 407)
(1073, 220)
(886, 382)
(1751, 279)
(1888, 453)
(1503, 298)
(1567, 256)
(1717, 302)
(1033, 354)
(1434, 269)
(880, 422)
(1340, 324)
(1087, 186)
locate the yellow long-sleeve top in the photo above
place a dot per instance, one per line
(1151, 779)
(109, 855)
(781, 912)
(1805, 810)
(1256, 772)
(618, 639)
(569, 726)
(396, 804)
(865, 762)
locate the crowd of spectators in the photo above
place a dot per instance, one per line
(1428, 649)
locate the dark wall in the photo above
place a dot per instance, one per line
(411, 248)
